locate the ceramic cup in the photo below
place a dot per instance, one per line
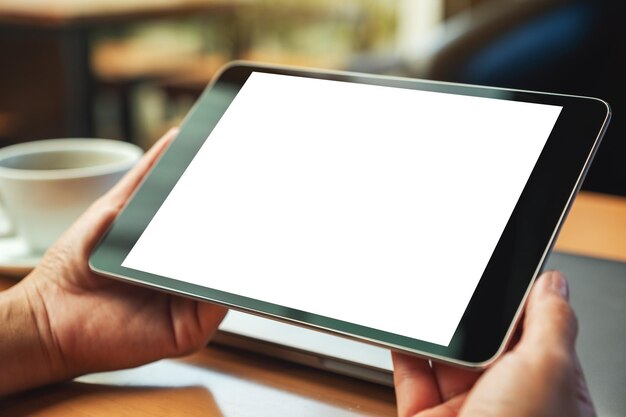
(45, 185)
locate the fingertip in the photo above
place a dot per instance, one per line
(554, 282)
(415, 384)
(171, 133)
(164, 141)
(210, 317)
(402, 361)
(549, 319)
(551, 289)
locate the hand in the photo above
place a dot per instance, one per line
(540, 376)
(88, 323)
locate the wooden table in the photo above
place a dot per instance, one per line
(71, 23)
(221, 382)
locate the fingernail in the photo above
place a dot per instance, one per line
(558, 283)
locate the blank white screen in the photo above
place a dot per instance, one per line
(374, 205)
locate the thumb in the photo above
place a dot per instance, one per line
(92, 224)
(550, 322)
(122, 191)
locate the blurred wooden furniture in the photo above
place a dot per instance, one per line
(596, 227)
(194, 80)
(32, 92)
(65, 13)
(220, 382)
(70, 23)
(8, 121)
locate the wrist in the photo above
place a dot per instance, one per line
(28, 357)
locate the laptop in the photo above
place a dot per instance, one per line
(598, 294)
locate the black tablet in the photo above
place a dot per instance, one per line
(410, 214)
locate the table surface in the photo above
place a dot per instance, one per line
(68, 12)
(221, 382)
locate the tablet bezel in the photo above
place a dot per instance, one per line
(519, 254)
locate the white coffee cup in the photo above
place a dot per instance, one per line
(45, 185)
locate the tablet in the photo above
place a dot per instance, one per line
(410, 214)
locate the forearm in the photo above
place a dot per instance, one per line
(25, 358)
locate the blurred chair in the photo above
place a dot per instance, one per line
(566, 46)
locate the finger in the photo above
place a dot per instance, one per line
(194, 323)
(94, 222)
(549, 321)
(210, 316)
(453, 381)
(416, 388)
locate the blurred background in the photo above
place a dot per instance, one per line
(130, 69)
